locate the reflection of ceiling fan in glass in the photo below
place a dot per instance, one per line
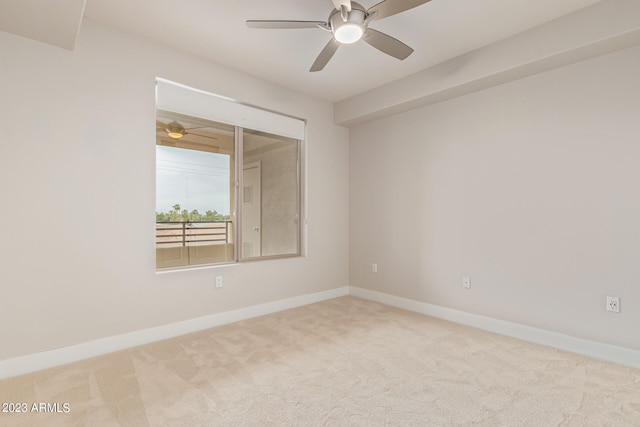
(176, 131)
(348, 23)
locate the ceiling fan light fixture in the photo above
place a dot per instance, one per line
(175, 130)
(175, 135)
(348, 33)
(351, 30)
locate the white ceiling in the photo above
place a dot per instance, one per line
(215, 29)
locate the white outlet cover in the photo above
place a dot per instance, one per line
(613, 304)
(466, 282)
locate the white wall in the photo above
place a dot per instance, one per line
(77, 181)
(531, 188)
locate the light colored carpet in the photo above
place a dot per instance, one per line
(344, 362)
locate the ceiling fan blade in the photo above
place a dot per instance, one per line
(286, 25)
(391, 7)
(325, 55)
(201, 135)
(387, 44)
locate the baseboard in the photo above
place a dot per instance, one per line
(598, 350)
(62, 356)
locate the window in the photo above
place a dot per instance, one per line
(270, 195)
(224, 193)
(194, 191)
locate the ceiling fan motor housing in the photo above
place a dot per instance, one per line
(351, 30)
(175, 130)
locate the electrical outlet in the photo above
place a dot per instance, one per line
(218, 281)
(466, 282)
(374, 268)
(613, 304)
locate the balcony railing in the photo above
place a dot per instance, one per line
(193, 233)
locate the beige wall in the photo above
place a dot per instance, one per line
(77, 179)
(530, 188)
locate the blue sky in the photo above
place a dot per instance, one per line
(194, 179)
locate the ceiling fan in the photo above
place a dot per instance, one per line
(349, 22)
(176, 131)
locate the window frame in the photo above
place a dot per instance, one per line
(238, 188)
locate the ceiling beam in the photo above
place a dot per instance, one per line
(596, 30)
(53, 22)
